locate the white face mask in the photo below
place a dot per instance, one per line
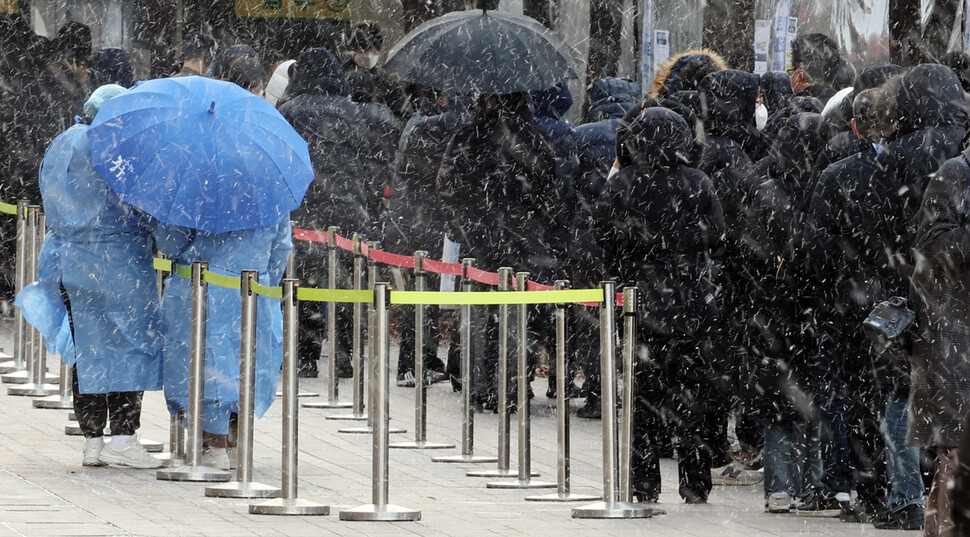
(366, 60)
(761, 116)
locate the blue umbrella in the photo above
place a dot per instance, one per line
(200, 153)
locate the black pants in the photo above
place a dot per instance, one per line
(432, 333)
(673, 390)
(94, 410)
(311, 268)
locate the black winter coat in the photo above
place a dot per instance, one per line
(658, 221)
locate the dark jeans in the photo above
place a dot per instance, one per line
(673, 390)
(94, 410)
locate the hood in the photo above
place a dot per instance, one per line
(552, 102)
(728, 98)
(684, 71)
(837, 112)
(873, 77)
(776, 90)
(276, 86)
(930, 96)
(220, 66)
(317, 71)
(797, 145)
(111, 66)
(658, 138)
(612, 98)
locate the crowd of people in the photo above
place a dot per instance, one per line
(762, 218)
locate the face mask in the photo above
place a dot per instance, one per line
(761, 116)
(366, 60)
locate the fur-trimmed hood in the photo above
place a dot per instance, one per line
(685, 70)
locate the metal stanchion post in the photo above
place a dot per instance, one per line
(332, 381)
(37, 385)
(379, 509)
(176, 441)
(524, 404)
(19, 363)
(420, 391)
(23, 331)
(630, 298)
(193, 470)
(371, 363)
(467, 411)
(290, 273)
(504, 425)
(288, 503)
(610, 507)
(356, 353)
(244, 486)
(64, 398)
(562, 494)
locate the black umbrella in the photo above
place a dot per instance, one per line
(482, 51)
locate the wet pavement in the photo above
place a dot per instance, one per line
(47, 492)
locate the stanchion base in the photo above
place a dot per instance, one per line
(193, 473)
(370, 430)
(71, 416)
(169, 462)
(420, 445)
(16, 377)
(238, 489)
(348, 417)
(615, 510)
(282, 506)
(73, 429)
(520, 484)
(466, 458)
(563, 497)
(151, 446)
(380, 513)
(33, 390)
(326, 404)
(10, 366)
(301, 394)
(496, 472)
(59, 402)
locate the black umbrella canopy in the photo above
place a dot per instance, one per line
(482, 51)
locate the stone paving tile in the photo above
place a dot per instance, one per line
(335, 469)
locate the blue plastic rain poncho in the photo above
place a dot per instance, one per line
(265, 250)
(100, 251)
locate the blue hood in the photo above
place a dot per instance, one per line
(612, 98)
(553, 102)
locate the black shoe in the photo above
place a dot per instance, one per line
(818, 505)
(592, 410)
(308, 369)
(908, 518)
(861, 511)
(692, 497)
(345, 372)
(455, 383)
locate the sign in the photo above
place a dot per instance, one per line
(792, 34)
(646, 52)
(762, 44)
(779, 45)
(293, 9)
(9, 6)
(661, 48)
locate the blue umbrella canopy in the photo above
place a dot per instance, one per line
(482, 51)
(200, 153)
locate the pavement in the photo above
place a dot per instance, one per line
(47, 492)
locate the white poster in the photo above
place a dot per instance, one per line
(646, 52)
(792, 34)
(781, 37)
(661, 48)
(762, 44)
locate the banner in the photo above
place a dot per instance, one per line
(9, 6)
(762, 44)
(792, 34)
(778, 50)
(293, 9)
(661, 48)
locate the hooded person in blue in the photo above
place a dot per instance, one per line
(265, 250)
(95, 301)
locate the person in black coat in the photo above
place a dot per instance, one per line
(352, 149)
(816, 63)
(498, 192)
(781, 361)
(659, 220)
(111, 66)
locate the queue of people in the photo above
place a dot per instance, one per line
(762, 218)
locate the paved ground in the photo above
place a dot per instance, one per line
(47, 492)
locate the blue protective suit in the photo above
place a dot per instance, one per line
(265, 250)
(100, 251)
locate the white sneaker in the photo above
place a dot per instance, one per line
(133, 455)
(219, 461)
(778, 502)
(91, 455)
(735, 474)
